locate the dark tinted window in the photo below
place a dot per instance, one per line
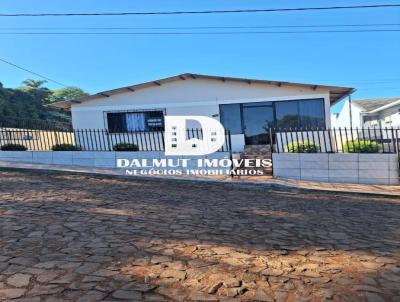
(231, 118)
(256, 122)
(312, 114)
(116, 122)
(300, 114)
(287, 114)
(135, 121)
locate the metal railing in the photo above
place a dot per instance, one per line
(336, 140)
(94, 139)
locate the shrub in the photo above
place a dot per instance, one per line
(125, 147)
(65, 147)
(13, 147)
(362, 146)
(302, 147)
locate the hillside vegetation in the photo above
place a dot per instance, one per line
(29, 101)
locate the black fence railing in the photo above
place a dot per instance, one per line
(336, 140)
(94, 139)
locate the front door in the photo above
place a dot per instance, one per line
(257, 119)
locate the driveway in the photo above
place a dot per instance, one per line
(71, 237)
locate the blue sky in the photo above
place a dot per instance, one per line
(367, 61)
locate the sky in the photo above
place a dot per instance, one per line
(369, 62)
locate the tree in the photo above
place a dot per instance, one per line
(29, 101)
(67, 93)
(35, 84)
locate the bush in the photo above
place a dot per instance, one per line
(302, 147)
(65, 147)
(125, 147)
(362, 146)
(13, 147)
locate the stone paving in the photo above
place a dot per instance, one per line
(266, 181)
(71, 237)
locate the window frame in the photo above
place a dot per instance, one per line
(273, 104)
(286, 101)
(322, 100)
(240, 117)
(106, 125)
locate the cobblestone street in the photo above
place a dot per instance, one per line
(71, 237)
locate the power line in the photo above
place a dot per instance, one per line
(201, 12)
(203, 27)
(200, 33)
(377, 88)
(32, 72)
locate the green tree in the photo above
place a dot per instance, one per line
(67, 93)
(28, 101)
(35, 84)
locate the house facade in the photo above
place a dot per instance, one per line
(248, 108)
(370, 113)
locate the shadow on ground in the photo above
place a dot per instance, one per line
(82, 237)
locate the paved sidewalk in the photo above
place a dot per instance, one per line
(391, 190)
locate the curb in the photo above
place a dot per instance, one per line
(236, 184)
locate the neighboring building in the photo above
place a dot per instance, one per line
(246, 107)
(378, 113)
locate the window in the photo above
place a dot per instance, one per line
(311, 113)
(135, 121)
(371, 121)
(300, 114)
(231, 118)
(116, 122)
(287, 114)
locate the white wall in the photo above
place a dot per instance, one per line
(189, 97)
(93, 119)
(386, 118)
(342, 119)
(210, 110)
(391, 117)
(97, 159)
(338, 167)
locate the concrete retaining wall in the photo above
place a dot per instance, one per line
(98, 159)
(338, 167)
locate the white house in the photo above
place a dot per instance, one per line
(377, 113)
(246, 107)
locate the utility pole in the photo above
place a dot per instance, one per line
(351, 114)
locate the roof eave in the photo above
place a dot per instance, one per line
(67, 104)
(385, 107)
(342, 95)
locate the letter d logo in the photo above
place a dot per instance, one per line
(181, 141)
